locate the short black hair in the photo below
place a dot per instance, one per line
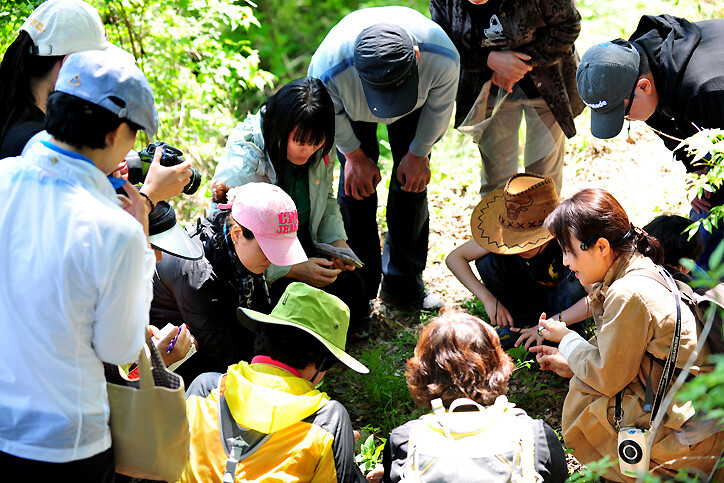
(305, 105)
(80, 123)
(292, 346)
(669, 230)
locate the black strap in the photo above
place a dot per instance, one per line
(649, 395)
(670, 363)
(618, 410)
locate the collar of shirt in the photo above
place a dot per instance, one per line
(115, 182)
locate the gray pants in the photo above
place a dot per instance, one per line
(499, 145)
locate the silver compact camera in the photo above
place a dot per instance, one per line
(633, 452)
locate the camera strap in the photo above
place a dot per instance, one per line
(669, 364)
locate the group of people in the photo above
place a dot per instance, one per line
(268, 314)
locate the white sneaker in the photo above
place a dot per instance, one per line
(432, 301)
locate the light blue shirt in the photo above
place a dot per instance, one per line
(438, 70)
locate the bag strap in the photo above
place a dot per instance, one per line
(527, 455)
(461, 402)
(670, 363)
(145, 376)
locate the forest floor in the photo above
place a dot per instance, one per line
(639, 171)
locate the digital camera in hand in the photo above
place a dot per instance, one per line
(171, 156)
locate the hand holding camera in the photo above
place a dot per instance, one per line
(163, 171)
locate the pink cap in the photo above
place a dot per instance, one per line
(271, 215)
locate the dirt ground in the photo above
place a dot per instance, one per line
(641, 174)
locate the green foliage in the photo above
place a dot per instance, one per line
(475, 307)
(200, 65)
(593, 471)
(382, 395)
(12, 16)
(706, 391)
(707, 149)
(369, 454)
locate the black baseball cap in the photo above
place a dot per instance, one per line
(605, 78)
(386, 61)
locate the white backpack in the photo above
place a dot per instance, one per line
(493, 444)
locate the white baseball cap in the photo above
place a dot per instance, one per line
(61, 27)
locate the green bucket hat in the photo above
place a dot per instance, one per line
(314, 311)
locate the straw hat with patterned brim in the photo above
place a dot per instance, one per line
(510, 221)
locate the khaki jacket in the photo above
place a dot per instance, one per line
(635, 318)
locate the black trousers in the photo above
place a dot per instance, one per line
(349, 287)
(98, 469)
(404, 255)
(524, 298)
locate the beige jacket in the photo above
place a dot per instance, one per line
(635, 319)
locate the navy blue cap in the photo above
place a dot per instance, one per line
(386, 61)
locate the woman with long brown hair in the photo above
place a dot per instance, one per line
(635, 318)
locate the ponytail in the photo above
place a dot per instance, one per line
(18, 70)
(594, 213)
(648, 245)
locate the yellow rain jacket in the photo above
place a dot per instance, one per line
(284, 430)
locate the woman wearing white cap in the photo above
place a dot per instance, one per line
(258, 228)
(30, 65)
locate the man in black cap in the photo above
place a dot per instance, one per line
(403, 74)
(667, 74)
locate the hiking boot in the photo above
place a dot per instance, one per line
(432, 301)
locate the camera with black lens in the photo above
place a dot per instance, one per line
(138, 164)
(633, 450)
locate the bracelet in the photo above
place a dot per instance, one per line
(560, 316)
(147, 199)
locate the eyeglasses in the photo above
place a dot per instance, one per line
(631, 99)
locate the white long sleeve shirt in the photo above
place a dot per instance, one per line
(75, 290)
(438, 71)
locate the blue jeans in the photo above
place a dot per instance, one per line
(708, 240)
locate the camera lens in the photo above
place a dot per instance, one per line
(630, 451)
(194, 182)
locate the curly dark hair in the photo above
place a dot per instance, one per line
(458, 355)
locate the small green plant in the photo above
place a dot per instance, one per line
(475, 307)
(593, 471)
(520, 357)
(369, 454)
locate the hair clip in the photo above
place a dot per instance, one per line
(585, 245)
